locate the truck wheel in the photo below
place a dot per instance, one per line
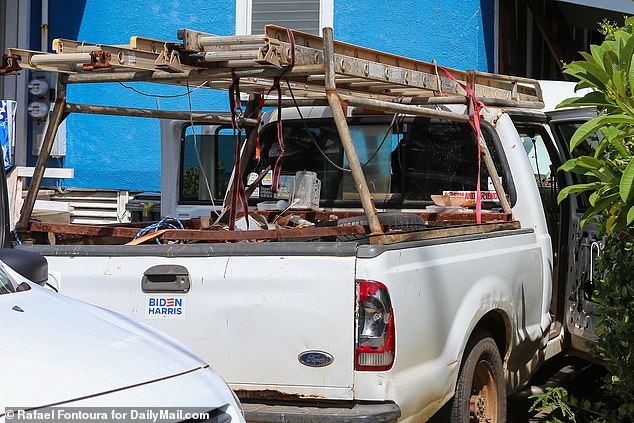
(393, 220)
(481, 389)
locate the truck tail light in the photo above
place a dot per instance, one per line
(376, 337)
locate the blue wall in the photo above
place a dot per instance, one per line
(120, 152)
(124, 153)
(450, 31)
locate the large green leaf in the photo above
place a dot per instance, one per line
(627, 52)
(610, 62)
(592, 126)
(589, 58)
(589, 72)
(630, 74)
(594, 98)
(619, 83)
(626, 186)
(589, 162)
(605, 175)
(598, 208)
(571, 166)
(625, 104)
(593, 198)
(630, 215)
(608, 132)
(615, 141)
(597, 53)
(574, 189)
(609, 224)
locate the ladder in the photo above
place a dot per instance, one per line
(257, 59)
(314, 69)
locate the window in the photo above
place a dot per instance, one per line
(213, 148)
(404, 163)
(544, 161)
(303, 15)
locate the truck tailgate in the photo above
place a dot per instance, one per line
(242, 312)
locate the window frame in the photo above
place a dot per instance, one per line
(188, 202)
(244, 15)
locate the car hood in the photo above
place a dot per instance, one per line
(56, 349)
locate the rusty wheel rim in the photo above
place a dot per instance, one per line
(483, 404)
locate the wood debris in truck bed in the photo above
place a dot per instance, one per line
(201, 230)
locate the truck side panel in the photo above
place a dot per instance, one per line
(439, 292)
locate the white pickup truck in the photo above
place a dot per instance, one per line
(445, 324)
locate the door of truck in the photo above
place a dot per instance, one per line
(545, 138)
(583, 245)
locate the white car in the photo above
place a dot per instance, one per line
(63, 353)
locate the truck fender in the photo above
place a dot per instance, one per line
(487, 297)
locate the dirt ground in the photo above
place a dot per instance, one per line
(578, 376)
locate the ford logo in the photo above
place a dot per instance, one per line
(315, 358)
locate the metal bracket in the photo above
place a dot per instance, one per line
(268, 54)
(99, 59)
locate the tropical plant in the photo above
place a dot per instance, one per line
(608, 174)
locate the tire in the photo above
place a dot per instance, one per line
(481, 389)
(393, 220)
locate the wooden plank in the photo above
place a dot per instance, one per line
(339, 117)
(147, 237)
(87, 230)
(312, 232)
(198, 235)
(443, 232)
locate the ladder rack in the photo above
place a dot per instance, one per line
(314, 69)
(258, 59)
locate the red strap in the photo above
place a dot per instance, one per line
(277, 168)
(238, 192)
(291, 40)
(258, 149)
(475, 124)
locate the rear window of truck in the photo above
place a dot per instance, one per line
(405, 161)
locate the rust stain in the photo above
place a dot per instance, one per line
(271, 394)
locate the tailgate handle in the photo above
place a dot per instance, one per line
(166, 278)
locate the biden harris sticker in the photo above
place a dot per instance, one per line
(165, 308)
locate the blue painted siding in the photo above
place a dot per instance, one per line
(120, 152)
(124, 153)
(450, 31)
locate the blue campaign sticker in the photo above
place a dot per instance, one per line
(165, 308)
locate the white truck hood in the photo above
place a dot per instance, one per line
(55, 349)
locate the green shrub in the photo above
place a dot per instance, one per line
(609, 177)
